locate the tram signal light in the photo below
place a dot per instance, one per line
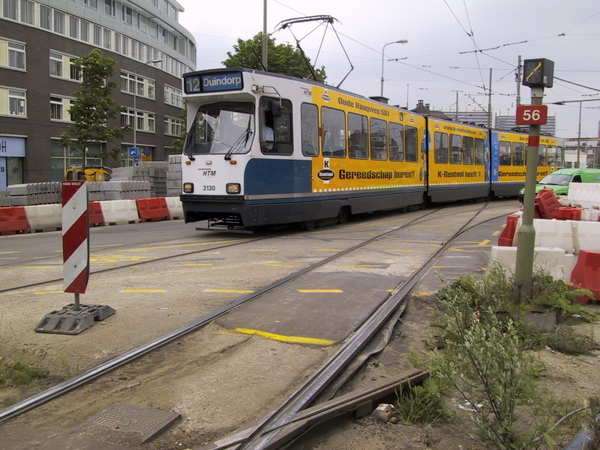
(538, 73)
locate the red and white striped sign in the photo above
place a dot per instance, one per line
(75, 231)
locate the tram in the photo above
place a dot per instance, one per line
(264, 149)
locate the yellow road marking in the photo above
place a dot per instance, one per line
(496, 233)
(485, 242)
(283, 338)
(8, 252)
(320, 291)
(234, 291)
(145, 249)
(41, 267)
(48, 292)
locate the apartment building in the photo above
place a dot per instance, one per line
(39, 40)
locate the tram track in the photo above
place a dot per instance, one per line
(263, 435)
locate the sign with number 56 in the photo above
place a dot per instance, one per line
(532, 114)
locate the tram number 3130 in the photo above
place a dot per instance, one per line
(208, 188)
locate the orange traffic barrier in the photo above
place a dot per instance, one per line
(547, 203)
(508, 234)
(13, 220)
(150, 209)
(96, 216)
(586, 274)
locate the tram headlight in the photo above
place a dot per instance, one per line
(233, 188)
(188, 188)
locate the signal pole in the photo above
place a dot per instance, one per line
(537, 75)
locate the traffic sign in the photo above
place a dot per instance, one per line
(532, 114)
(134, 152)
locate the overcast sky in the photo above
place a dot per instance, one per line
(452, 45)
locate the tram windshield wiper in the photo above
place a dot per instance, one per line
(240, 144)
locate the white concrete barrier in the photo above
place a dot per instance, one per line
(586, 236)
(119, 212)
(44, 217)
(175, 207)
(584, 194)
(551, 260)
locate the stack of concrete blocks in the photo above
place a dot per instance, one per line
(35, 193)
(4, 198)
(154, 172)
(126, 190)
(95, 191)
(174, 176)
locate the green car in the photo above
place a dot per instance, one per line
(559, 181)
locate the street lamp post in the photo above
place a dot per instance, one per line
(401, 41)
(135, 88)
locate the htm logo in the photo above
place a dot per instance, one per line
(209, 173)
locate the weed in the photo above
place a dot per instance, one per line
(15, 373)
(421, 403)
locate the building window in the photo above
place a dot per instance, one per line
(107, 38)
(16, 102)
(138, 85)
(12, 54)
(59, 108)
(28, 12)
(173, 96)
(45, 17)
(173, 127)
(63, 66)
(91, 3)
(56, 108)
(85, 31)
(145, 121)
(127, 15)
(109, 8)
(59, 22)
(10, 9)
(74, 27)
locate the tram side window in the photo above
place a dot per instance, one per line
(468, 150)
(378, 140)
(553, 156)
(412, 144)
(357, 128)
(310, 130)
(479, 151)
(334, 133)
(396, 142)
(456, 149)
(504, 153)
(542, 159)
(441, 148)
(276, 126)
(518, 154)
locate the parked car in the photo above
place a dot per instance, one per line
(559, 180)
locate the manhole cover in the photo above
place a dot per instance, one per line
(129, 420)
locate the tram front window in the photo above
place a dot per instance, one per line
(221, 128)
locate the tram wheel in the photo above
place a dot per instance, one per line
(344, 215)
(309, 225)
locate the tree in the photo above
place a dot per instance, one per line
(93, 106)
(282, 58)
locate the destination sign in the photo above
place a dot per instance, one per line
(196, 83)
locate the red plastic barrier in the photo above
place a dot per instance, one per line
(150, 209)
(586, 274)
(508, 234)
(547, 203)
(96, 216)
(13, 220)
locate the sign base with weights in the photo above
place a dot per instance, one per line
(74, 317)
